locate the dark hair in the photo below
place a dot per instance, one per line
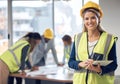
(31, 37)
(37, 36)
(67, 38)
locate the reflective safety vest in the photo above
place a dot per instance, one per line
(67, 51)
(102, 48)
(12, 57)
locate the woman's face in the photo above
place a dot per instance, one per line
(91, 21)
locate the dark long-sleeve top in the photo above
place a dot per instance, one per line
(23, 58)
(73, 63)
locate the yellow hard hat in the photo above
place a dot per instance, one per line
(48, 33)
(91, 4)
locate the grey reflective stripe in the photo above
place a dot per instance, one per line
(81, 70)
(111, 73)
(84, 70)
(18, 46)
(109, 38)
(77, 44)
(15, 57)
(108, 41)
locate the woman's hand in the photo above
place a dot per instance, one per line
(83, 64)
(34, 68)
(97, 68)
(60, 64)
(86, 63)
(91, 67)
(23, 72)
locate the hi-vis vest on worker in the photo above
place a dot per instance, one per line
(12, 57)
(67, 51)
(102, 50)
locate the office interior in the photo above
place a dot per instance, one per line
(17, 17)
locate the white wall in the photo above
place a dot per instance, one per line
(111, 22)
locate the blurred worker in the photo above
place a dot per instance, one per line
(93, 44)
(67, 40)
(40, 52)
(15, 57)
(19, 80)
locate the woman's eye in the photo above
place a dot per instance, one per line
(86, 18)
(90, 18)
(93, 18)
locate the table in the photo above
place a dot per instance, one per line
(61, 77)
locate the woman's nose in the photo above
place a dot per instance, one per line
(90, 20)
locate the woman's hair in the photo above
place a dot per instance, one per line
(31, 38)
(96, 12)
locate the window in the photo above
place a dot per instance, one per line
(97, 1)
(31, 16)
(3, 26)
(67, 21)
(37, 15)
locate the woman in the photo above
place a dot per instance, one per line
(15, 57)
(93, 44)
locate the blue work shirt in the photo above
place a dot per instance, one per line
(40, 52)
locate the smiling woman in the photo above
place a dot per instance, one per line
(93, 44)
(92, 24)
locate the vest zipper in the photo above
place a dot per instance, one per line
(87, 72)
(86, 80)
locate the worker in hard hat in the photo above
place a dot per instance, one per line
(40, 53)
(67, 41)
(93, 44)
